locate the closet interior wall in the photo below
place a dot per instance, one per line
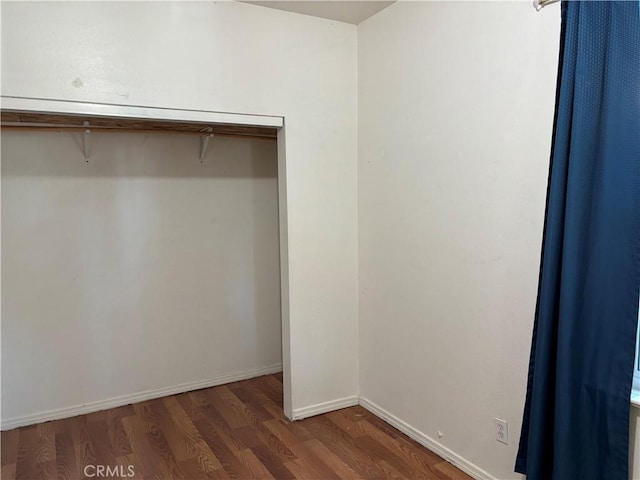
(138, 271)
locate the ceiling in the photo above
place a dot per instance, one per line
(342, 11)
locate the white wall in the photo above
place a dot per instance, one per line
(455, 114)
(139, 270)
(634, 446)
(231, 57)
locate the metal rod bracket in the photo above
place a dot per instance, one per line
(204, 142)
(85, 140)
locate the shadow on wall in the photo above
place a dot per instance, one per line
(267, 295)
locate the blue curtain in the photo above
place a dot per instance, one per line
(576, 415)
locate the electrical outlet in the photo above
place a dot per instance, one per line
(502, 433)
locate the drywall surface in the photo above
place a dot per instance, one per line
(231, 57)
(634, 444)
(455, 116)
(139, 270)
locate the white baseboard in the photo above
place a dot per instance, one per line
(426, 441)
(324, 407)
(65, 412)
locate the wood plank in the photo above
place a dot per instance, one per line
(27, 459)
(271, 387)
(252, 404)
(344, 471)
(420, 459)
(230, 463)
(255, 468)
(355, 428)
(130, 460)
(452, 472)
(9, 446)
(390, 472)
(191, 405)
(99, 434)
(8, 471)
(47, 469)
(84, 450)
(143, 456)
(279, 429)
(307, 459)
(344, 447)
(65, 457)
(75, 123)
(263, 399)
(118, 437)
(390, 458)
(220, 400)
(193, 469)
(279, 448)
(243, 415)
(55, 426)
(158, 441)
(272, 462)
(189, 437)
(216, 421)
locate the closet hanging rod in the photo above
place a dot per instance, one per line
(81, 129)
(68, 123)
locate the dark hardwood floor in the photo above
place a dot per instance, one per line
(233, 431)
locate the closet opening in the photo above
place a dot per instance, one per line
(158, 234)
